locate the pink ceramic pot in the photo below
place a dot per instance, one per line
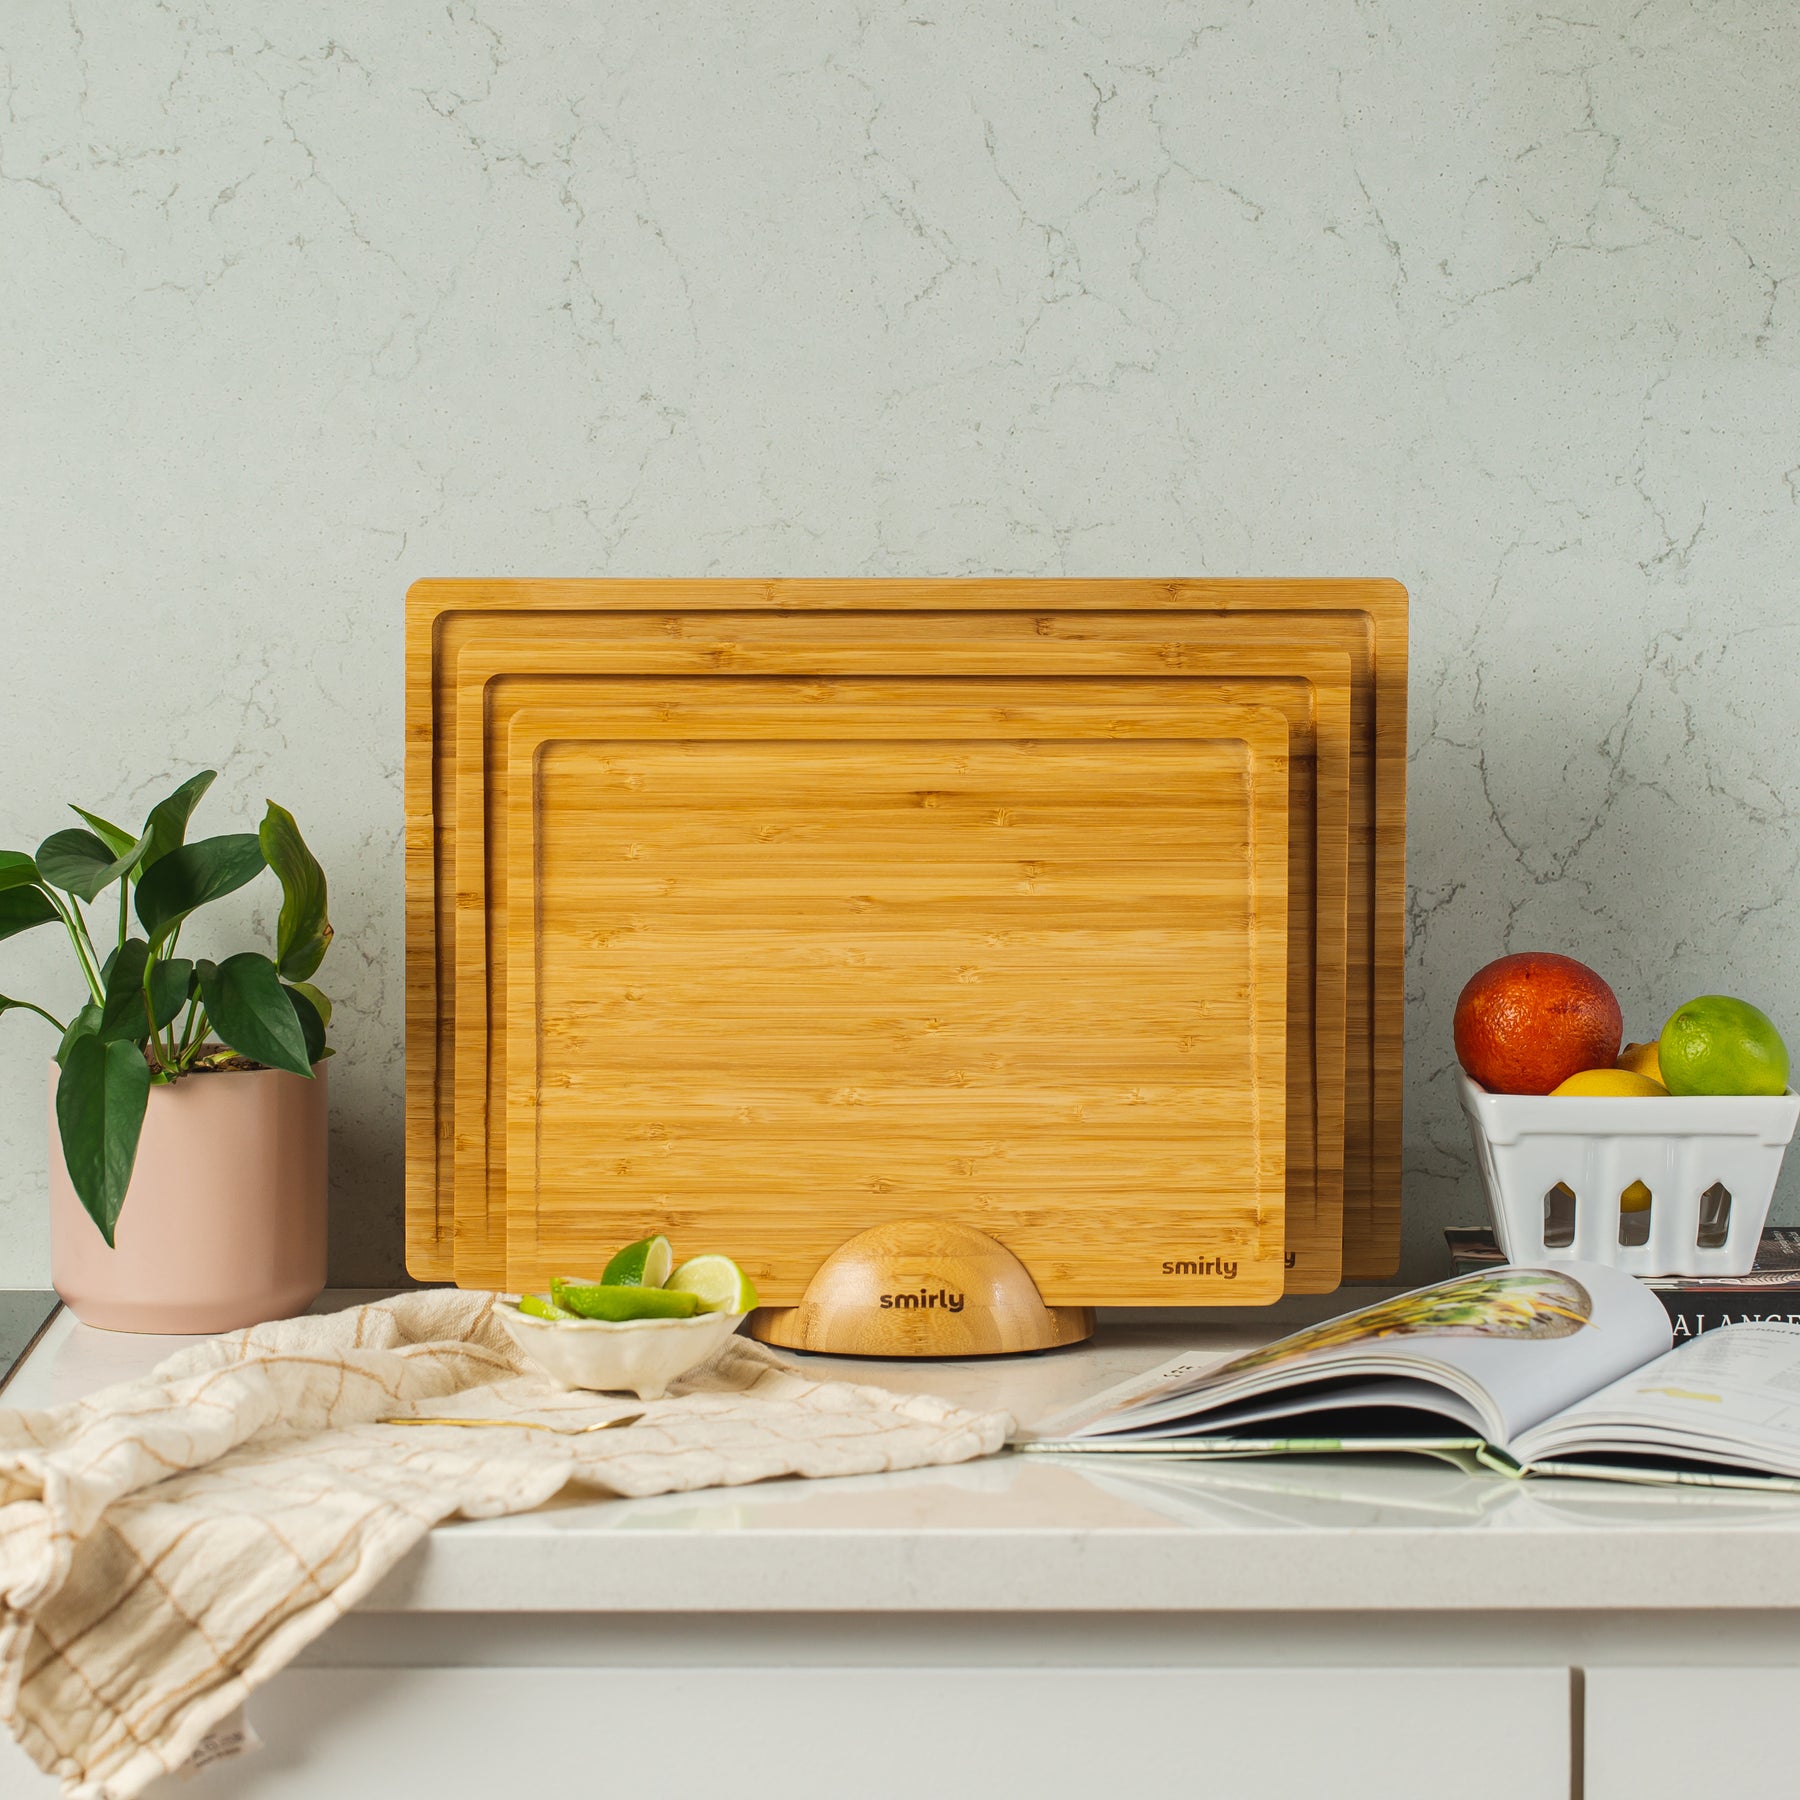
(224, 1222)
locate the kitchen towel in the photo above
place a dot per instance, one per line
(168, 1544)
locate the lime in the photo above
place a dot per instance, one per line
(717, 1282)
(599, 1300)
(541, 1306)
(644, 1264)
(1717, 1045)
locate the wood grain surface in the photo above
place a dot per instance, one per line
(921, 1287)
(1316, 705)
(1366, 618)
(862, 955)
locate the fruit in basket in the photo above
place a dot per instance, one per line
(1641, 1059)
(1526, 1023)
(1610, 1084)
(1718, 1045)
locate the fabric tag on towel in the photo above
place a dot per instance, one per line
(234, 1735)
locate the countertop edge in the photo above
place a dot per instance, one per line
(460, 1569)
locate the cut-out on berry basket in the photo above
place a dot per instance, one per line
(1676, 1186)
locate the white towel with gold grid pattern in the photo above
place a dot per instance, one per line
(169, 1544)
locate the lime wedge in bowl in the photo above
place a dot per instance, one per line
(616, 1304)
(644, 1264)
(716, 1282)
(541, 1306)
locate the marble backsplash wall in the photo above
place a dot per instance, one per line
(298, 303)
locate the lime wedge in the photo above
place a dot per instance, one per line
(601, 1300)
(643, 1264)
(716, 1282)
(541, 1306)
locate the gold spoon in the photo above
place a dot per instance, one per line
(519, 1424)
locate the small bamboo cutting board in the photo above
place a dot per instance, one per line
(846, 954)
(1180, 619)
(1315, 703)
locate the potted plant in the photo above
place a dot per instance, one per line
(188, 1097)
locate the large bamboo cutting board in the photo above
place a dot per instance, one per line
(1367, 619)
(1315, 701)
(788, 959)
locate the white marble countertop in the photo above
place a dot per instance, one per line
(1019, 1534)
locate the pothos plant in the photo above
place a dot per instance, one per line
(152, 1016)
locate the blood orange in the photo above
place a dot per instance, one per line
(1526, 1023)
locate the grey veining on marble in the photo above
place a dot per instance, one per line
(300, 303)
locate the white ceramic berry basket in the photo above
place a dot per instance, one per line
(1555, 1171)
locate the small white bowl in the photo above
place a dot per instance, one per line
(641, 1356)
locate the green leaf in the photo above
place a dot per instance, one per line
(251, 1011)
(8, 1004)
(17, 869)
(171, 987)
(100, 1101)
(116, 838)
(80, 864)
(84, 1024)
(166, 827)
(320, 1004)
(303, 933)
(21, 908)
(193, 875)
(75, 861)
(311, 1025)
(123, 1015)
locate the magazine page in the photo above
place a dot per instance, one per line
(1731, 1398)
(1497, 1350)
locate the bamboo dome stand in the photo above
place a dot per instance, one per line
(921, 1287)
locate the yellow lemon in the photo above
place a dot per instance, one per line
(1642, 1059)
(1635, 1198)
(1611, 1084)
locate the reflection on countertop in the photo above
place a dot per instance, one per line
(1026, 1534)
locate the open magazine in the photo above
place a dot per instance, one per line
(1563, 1370)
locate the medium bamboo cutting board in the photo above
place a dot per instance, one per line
(1315, 703)
(789, 959)
(1367, 619)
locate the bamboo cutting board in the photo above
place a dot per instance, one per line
(1316, 705)
(844, 953)
(585, 642)
(1365, 618)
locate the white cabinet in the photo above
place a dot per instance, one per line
(1679, 1734)
(808, 1733)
